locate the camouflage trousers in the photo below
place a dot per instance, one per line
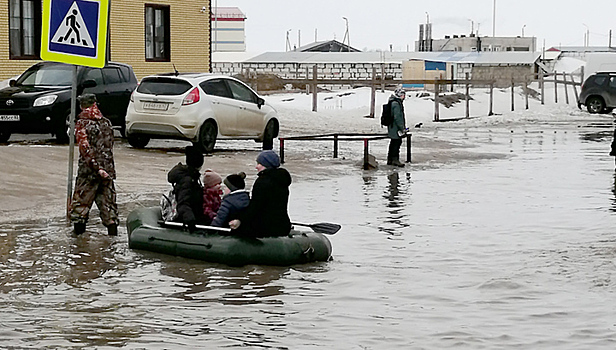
(90, 189)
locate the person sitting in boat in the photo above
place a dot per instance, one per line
(267, 214)
(188, 188)
(212, 194)
(234, 202)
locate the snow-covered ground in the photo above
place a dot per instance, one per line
(348, 110)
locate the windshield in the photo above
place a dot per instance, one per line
(48, 75)
(163, 86)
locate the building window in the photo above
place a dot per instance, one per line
(157, 33)
(25, 29)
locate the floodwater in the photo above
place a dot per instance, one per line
(511, 251)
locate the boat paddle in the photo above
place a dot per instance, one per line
(201, 227)
(322, 227)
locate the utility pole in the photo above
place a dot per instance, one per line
(494, 19)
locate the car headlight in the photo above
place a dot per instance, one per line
(45, 100)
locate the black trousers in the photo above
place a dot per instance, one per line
(394, 149)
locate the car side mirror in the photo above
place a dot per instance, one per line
(12, 82)
(260, 102)
(88, 84)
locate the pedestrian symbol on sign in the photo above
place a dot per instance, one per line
(73, 31)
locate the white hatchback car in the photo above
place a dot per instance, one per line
(198, 107)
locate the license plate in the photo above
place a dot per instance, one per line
(156, 105)
(9, 118)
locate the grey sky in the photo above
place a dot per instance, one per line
(374, 25)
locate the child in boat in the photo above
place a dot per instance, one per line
(188, 188)
(234, 202)
(212, 194)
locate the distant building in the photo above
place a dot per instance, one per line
(473, 43)
(228, 30)
(326, 46)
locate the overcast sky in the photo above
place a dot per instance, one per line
(377, 24)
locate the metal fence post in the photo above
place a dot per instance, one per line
(408, 147)
(281, 150)
(336, 146)
(366, 160)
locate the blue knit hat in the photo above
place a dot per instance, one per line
(268, 159)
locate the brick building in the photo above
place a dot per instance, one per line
(151, 36)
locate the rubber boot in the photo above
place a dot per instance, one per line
(112, 230)
(396, 162)
(388, 159)
(79, 228)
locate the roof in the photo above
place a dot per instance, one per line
(227, 12)
(583, 49)
(327, 46)
(514, 57)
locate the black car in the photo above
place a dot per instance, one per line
(39, 101)
(599, 93)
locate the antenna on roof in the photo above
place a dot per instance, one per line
(175, 71)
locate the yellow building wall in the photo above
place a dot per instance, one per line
(189, 27)
(190, 45)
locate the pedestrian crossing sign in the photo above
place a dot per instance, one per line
(75, 31)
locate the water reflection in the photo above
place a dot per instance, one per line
(229, 286)
(613, 208)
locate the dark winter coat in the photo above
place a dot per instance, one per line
(233, 204)
(188, 193)
(267, 212)
(399, 123)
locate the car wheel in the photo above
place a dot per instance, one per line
(4, 136)
(207, 136)
(271, 131)
(138, 141)
(595, 105)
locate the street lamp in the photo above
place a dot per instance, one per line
(288, 47)
(586, 36)
(524, 26)
(346, 34)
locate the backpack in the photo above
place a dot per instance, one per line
(386, 117)
(168, 205)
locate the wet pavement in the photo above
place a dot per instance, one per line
(493, 238)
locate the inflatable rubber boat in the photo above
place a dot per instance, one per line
(146, 231)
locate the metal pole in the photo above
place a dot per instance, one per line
(555, 87)
(373, 93)
(565, 84)
(336, 146)
(466, 97)
(281, 149)
(512, 94)
(71, 144)
(494, 19)
(436, 108)
(408, 147)
(542, 83)
(366, 160)
(314, 88)
(491, 112)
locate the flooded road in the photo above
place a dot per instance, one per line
(513, 248)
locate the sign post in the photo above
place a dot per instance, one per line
(74, 32)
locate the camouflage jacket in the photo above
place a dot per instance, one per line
(94, 137)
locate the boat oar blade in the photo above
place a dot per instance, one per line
(327, 228)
